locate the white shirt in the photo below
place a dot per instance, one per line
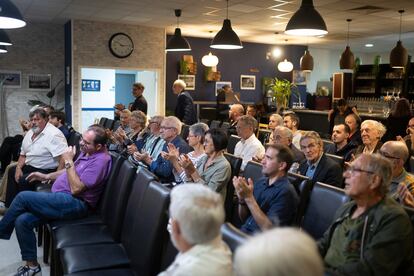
(249, 148)
(296, 138)
(44, 150)
(213, 258)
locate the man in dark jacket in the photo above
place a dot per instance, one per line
(341, 147)
(372, 234)
(318, 166)
(184, 110)
(140, 102)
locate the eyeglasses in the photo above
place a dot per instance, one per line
(166, 127)
(352, 169)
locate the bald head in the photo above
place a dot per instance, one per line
(396, 149)
(236, 111)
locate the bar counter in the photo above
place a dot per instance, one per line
(317, 120)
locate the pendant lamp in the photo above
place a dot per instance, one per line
(3, 49)
(177, 43)
(399, 55)
(210, 60)
(306, 62)
(285, 66)
(226, 38)
(306, 21)
(347, 60)
(10, 16)
(4, 39)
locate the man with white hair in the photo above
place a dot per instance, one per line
(196, 215)
(169, 132)
(279, 252)
(284, 136)
(371, 134)
(184, 110)
(235, 112)
(249, 146)
(402, 183)
(372, 234)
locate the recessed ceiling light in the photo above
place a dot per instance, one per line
(369, 45)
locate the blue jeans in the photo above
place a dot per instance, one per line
(29, 209)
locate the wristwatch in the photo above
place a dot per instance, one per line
(68, 164)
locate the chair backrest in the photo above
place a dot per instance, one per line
(225, 125)
(145, 242)
(185, 130)
(102, 121)
(235, 163)
(412, 164)
(339, 159)
(233, 140)
(117, 123)
(215, 124)
(109, 123)
(253, 170)
(74, 140)
(232, 236)
(324, 201)
(263, 135)
(140, 185)
(114, 210)
(326, 144)
(296, 179)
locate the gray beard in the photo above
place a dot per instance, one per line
(36, 130)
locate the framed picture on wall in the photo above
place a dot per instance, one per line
(299, 77)
(12, 79)
(40, 81)
(189, 81)
(220, 84)
(247, 82)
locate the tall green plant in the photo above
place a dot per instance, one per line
(282, 89)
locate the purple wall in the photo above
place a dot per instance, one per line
(232, 64)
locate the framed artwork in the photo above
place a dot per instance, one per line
(189, 81)
(299, 77)
(12, 79)
(247, 82)
(40, 81)
(91, 85)
(220, 84)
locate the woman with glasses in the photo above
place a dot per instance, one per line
(213, 169)
(195, 139)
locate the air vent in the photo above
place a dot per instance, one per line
(368, 9)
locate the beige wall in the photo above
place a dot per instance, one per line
(90, 49)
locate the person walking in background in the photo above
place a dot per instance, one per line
(184, 110)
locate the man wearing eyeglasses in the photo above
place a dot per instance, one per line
(169, 132)
(318, 166)
(402, 183)
(372, 234)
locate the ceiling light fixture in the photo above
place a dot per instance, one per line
(347, 60)
(210, 60)
(10, 16)
(4, 39)
(226, 38)
(306, 21)
(3, 49)
(285, 66)
(399, 55)
(178, 43)
(306, 62)
(369, 45)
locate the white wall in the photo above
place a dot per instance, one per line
(149, 80)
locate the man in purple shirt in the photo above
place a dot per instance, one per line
(76, 188)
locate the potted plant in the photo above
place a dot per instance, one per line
(282, 89)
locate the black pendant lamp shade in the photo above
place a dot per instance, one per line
(177, 42)
(306, 21)
(4, 39)
(399, 55)
(347, 60)
(10, 16)
(226, 38)
(306, 62)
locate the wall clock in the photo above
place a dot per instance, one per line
(121, 45)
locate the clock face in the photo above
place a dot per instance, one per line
(121, 45)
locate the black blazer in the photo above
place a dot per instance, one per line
(185, 110)
(328, 171)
